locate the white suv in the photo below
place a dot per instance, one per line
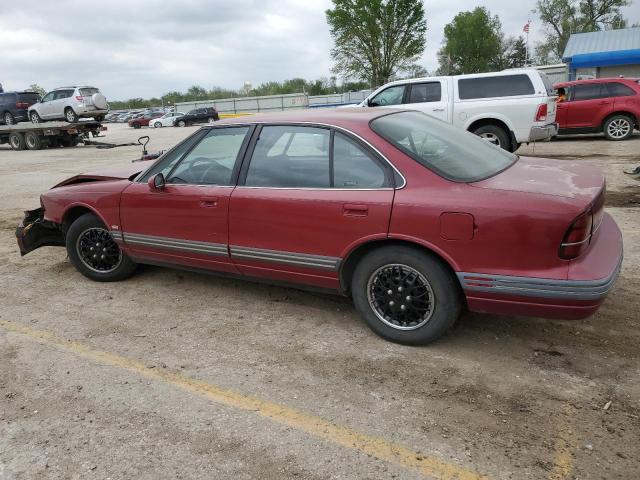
(507, 108)
(70, 104)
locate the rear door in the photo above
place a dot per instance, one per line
(430, 98)
(186, 222)
(624, 97)
(588, 105)
(307, 196)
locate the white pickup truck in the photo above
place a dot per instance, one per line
(507, 108)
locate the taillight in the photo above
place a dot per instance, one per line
(79, 98)
(582, 230)
(22, 105)
(541, 114)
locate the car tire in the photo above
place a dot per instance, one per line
(181, 123)
(618, 127)
(33, 141)
(136, 125)
(211, 119)
(16, 141)
(71, 116)
(35, 118)
(157, 125)
(99, 118)
(109, 263)
(494, 134)
(391, 275)
(8, 118)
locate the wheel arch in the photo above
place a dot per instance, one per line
(350, 261)
(626, 113)
(75, 211)
(502, 123)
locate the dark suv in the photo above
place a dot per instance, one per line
(198, 115)
(14, 105)
(607, 105)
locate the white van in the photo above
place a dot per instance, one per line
(507, 108)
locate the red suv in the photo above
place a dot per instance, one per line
(608, 105)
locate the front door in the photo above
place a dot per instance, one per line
(306, 198)
(45, 108)
(187, 221)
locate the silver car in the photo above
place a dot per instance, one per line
(70, 104)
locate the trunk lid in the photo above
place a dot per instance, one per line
(549, 177)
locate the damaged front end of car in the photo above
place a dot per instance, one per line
(35, 232)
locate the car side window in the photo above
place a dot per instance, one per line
(589, 91)
(353, 166)
(617, 89)
(169, 160)
(290, 157)
(425, 92)
(212, 160)
(389, 96)
(48, 97)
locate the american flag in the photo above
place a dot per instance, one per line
(526, 27)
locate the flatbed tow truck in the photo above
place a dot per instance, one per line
(35, 136)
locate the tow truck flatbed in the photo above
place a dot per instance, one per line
(34, 136)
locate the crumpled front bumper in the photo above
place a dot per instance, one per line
(35, 232)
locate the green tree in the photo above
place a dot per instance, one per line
(375, 39)
(34, 87)
(513, 53)
(472, 43)
(564, 17)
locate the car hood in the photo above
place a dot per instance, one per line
(548, 177)
(114, 173)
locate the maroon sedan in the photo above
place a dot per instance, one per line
(144, 120)
(412, 218)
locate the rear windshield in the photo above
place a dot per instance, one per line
(547, 84)
(87, 92)
(28, 97)
(452, 153)
(499, 86)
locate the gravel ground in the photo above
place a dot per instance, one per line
(181, 375)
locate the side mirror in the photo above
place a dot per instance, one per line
(156, 183)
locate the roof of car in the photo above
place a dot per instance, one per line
(329, 116)
(597, 80)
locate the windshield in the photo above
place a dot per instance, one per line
(87, 92)
(452, 153)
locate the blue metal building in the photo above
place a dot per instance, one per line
(608, 53)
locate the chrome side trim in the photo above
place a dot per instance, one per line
(539, 287)
(290, 258)
(116, 235)
(206, 248)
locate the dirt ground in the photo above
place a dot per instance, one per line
(180, 375)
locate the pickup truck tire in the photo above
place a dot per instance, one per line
(33, 141)
(16, 141)
(107, 263)
(35, 118)
(70, 116)
(618, 127)
(495, 135)
(9, 119)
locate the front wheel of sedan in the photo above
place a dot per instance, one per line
(182, 123)
(406, 295)
(157, 125)
(35, 118)
(618, 127)
(94, 253)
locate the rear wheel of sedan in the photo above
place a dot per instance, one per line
(618, 127)
(35, 118)
(406, 295)
(9, 119)
(494, 134)
(94, 253)
(71, 116)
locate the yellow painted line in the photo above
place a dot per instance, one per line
(233, 115)
(402, 456)
(565, 440)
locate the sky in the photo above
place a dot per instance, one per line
(144, 48)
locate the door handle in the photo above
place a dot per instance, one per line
(438, 109)
(355, 210)
(209, 202)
